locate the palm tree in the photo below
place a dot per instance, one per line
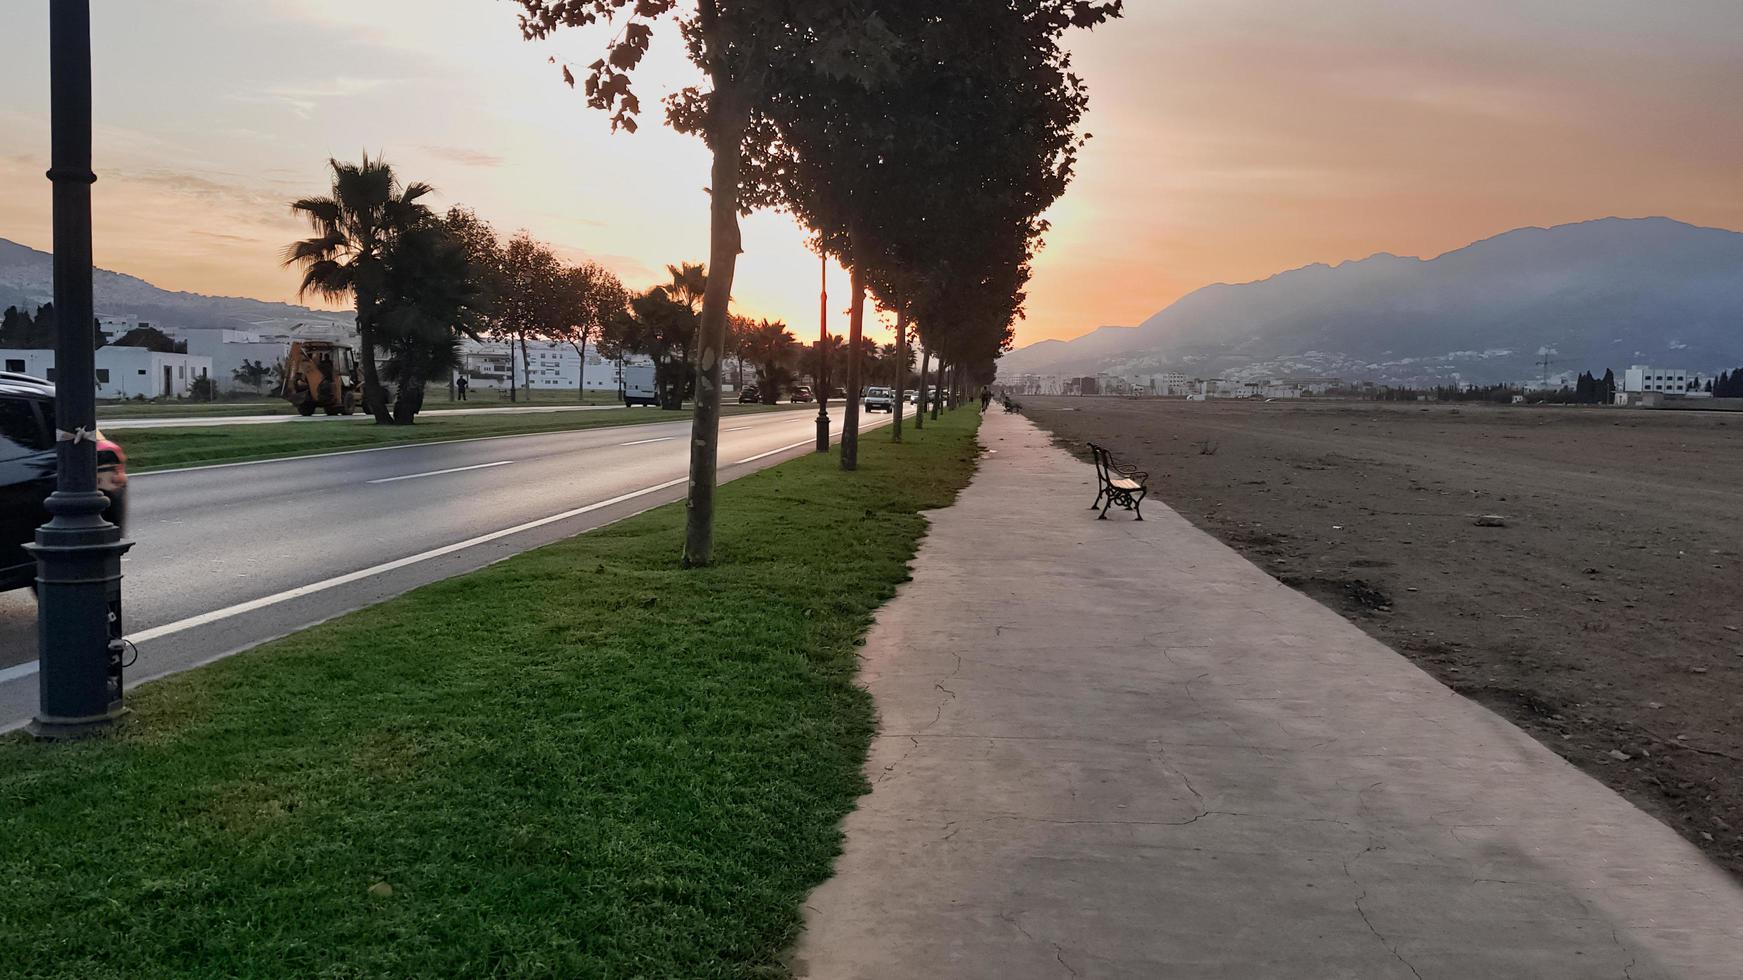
(431, 297)
(354, 226)
(770, 347)
(689, 283)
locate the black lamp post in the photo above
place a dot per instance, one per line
(822, 378)
(78, 553)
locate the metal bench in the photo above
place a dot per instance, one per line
(1011, 405)
(1117, 483)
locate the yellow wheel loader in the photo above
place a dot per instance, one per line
(319, 374)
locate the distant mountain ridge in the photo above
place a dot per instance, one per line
(27, 280)
(1596, 294)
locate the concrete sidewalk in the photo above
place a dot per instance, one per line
(1118, 749)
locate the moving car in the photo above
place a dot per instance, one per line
(879, 400)
(27, 473)
(749, 395)
(803, 394)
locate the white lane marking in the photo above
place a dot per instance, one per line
(792, 445)
(457, 469)
(740, 428)
(835, 437)
(357, 576)
(22, 670)
(646, 442)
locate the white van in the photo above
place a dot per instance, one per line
(638, 385)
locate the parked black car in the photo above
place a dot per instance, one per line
(27, 473)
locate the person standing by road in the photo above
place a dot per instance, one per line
(986, 398)
(460, 385)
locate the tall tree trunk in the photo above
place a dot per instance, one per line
(408, 401)
(855, 329)
(730, 111)
(938, 396)
(901, 369)
(920, 402)
(581, 372)
(526, 369)
(374, 399)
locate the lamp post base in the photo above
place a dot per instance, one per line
(822, 432)
(66, 729)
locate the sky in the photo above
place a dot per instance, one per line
(1233, 139)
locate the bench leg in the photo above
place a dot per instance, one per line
(1138, 504)
(1104, 509)
(1098, 496)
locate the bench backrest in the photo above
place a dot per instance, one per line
(1102, 463)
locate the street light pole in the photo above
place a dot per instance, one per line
(823, 358)
(78, 553)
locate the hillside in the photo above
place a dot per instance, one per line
(27, 280)
(1597, 294)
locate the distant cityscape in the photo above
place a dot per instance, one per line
(140, 359)
(1639, 385)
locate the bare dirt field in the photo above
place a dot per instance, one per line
(1605, 617)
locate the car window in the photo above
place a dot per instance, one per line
(20, 432)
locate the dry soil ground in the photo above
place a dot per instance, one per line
(1604, 617)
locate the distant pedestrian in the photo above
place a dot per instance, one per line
(460, 386)
(986, 398)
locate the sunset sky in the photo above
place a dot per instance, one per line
(1233, 138)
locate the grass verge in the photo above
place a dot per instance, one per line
(579, 762)
(156, 449)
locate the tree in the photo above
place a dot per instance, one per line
(589, 297)
(827, 362)
(665, 330)
(355, 224)
(689, 284)
(252, 373)
(738, 334)
(742, 46)
(43, 330)
(15, 329)
(430, 300)
(527, 306)
(153, 339)
(770, 346)
(981, 101)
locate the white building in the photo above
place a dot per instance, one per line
(227, 349)
(551, 367)
(122, 372)
(1167, 383)
(1670, 381)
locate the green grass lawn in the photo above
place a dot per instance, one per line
(579, 762)
(149, 449)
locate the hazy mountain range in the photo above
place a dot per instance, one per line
(27, 280)
(1598, 294)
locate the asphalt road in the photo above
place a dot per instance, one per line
(226, 557)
